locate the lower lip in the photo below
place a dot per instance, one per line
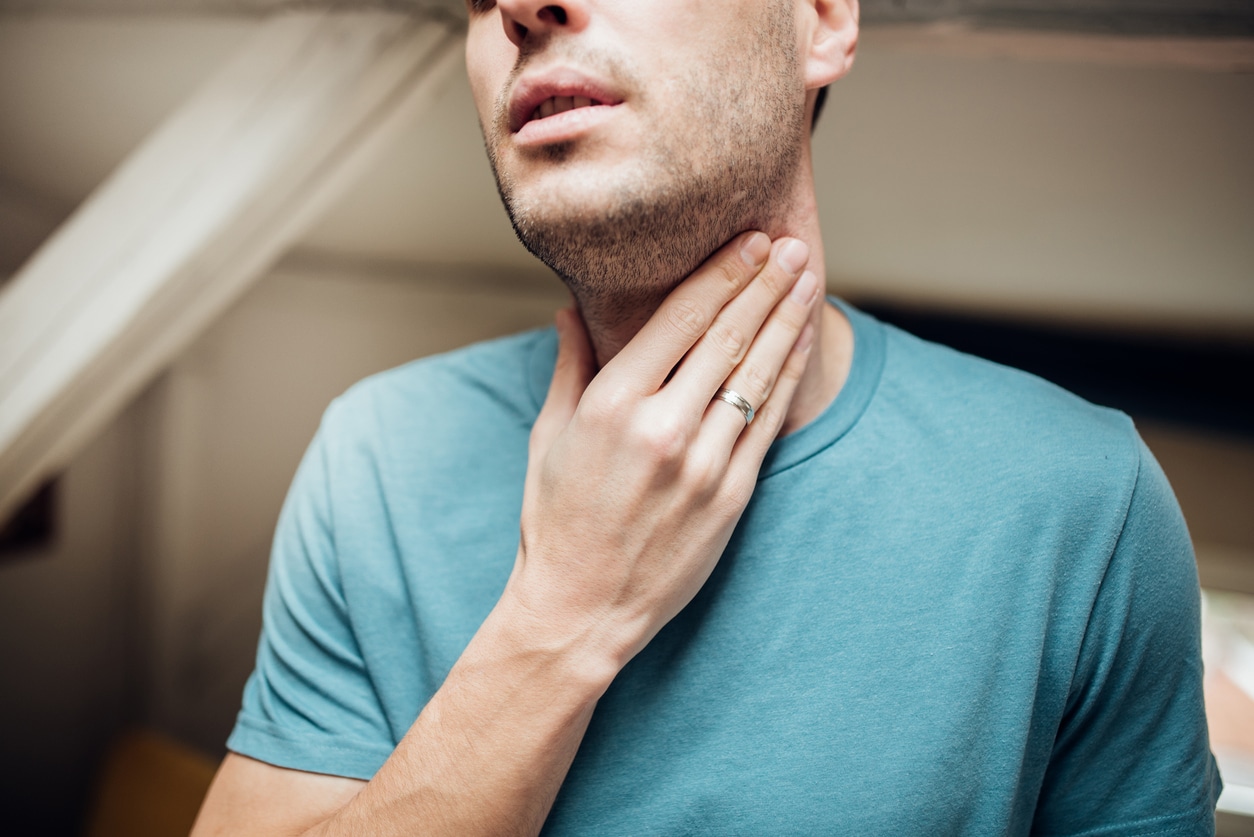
(563, 127)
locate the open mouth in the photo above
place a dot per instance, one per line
(541, 96)
(561, 104)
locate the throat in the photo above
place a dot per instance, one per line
(613, 320)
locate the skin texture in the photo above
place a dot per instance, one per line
(680, 166)
(602, 565)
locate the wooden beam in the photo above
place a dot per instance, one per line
(194, 216)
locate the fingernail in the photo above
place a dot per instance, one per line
(755, 248)
(793, 255)
(806, 338)
(803, 291)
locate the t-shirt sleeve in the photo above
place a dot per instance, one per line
(1132, 755)
(309, 704)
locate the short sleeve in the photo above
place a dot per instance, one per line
(1132, 755)
(310, 704)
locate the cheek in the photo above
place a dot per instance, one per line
(487, 69)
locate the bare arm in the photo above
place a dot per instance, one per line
(634, 486)
(486, 755)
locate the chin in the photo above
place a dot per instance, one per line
(628, 223)
(571, 189)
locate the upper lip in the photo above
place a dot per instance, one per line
(534, 88)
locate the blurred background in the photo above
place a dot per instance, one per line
(215, 215)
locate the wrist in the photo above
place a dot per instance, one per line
(585, 649)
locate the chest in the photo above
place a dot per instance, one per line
(812, 707)
(836, 674)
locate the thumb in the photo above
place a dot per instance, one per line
(574, 370)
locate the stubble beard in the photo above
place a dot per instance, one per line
(730, 166)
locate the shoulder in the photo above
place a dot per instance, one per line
(496, 382)
(1010, 426)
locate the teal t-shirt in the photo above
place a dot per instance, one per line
(961, 601)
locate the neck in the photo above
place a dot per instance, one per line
(829, 363)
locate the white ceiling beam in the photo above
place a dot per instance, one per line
(197, 213)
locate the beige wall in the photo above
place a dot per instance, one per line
(1073, 190)
(147, 608)
(1064, 189)
(1065, 186)
(228, 425)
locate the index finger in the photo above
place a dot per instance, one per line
(686, 313)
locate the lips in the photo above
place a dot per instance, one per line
(561, 104)
(539, 96)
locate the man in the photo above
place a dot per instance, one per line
(916, 594)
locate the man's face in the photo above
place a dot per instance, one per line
(631, 138)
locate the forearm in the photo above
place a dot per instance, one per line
(489, 752)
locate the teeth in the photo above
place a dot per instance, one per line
(561, 104)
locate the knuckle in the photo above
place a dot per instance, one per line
(729, 271)
(685, 318)
(771, 416)
(796, 315)
(670, 442)
(607, 407)
(702, 474)
(728, 339)
(618, 400)
(793, 369)
(793, 315)
(664, 442)
(757, 382)
(777, 280)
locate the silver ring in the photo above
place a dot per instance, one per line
(736, 400)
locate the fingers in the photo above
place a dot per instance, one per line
(751, 446)
(688, 311)
(736, 328)
(755, 377)
(576, 365)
